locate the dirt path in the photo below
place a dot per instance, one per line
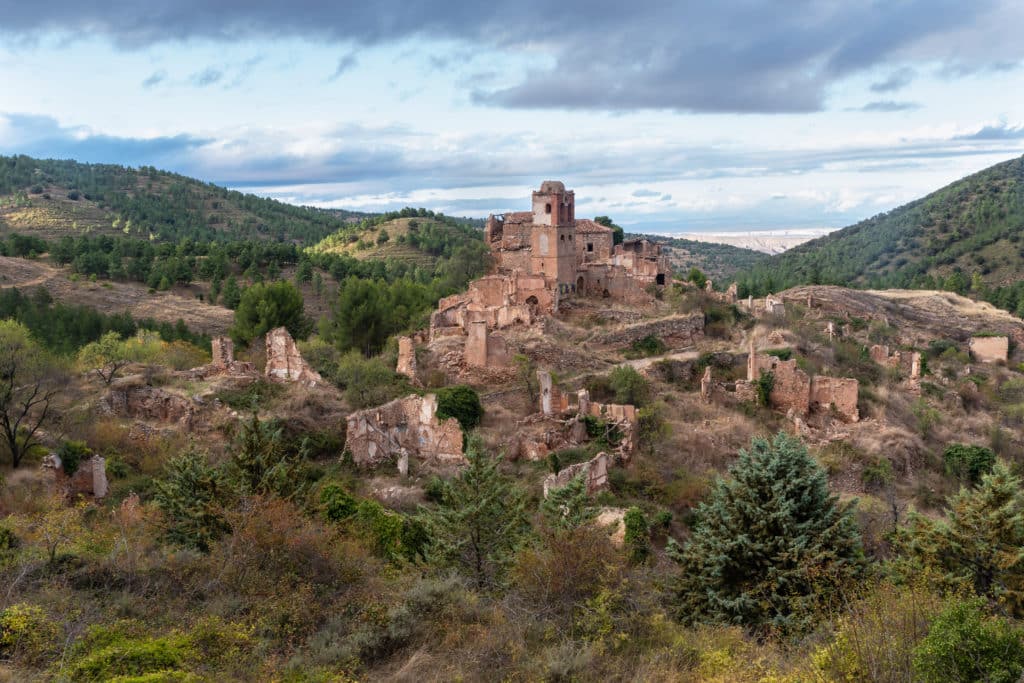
(114, 297)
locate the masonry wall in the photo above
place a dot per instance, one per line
(402, 429)
(674, 331)
(835, 393)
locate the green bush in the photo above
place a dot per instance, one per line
(638, 535)
(648, 346)
(8, 541)
(763, 386)
(337, 503)
(966, 644)
(27, 634)
(967, 462)
(629, 386)
(71, 454)
(462, 403)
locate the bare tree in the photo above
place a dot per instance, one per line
(29, 381)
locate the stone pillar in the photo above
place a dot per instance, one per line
(99, 475)
(406, 358)
(583, 401)
(750, 303)
(831, 329)
(544, 380)
(476, 343)
(751, 362)
(709, 286)
(223, 352)
(705, 385)
(915, 365)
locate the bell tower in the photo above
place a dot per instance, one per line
(553, 235)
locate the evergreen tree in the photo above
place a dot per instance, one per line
(638, 535)
(981, 543)
(769, 542)
(259, 462)
(568, 507)
(264, 307)
(189, 496)
(231, 294)
(481, 522)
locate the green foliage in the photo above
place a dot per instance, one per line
(638, 535)
(481, 522)
(105, 356)
(264, 307)
(367, 312)
(369, 381)
(697, 277)
(29, 381)
(618, 234)
(27, 634)
(968, 463)
(8, 540)
(648, 346)
(337, 503)
(568, 507)
(461, 402)
(258, 394)
(927, 417)
(763, 385)
(769, 544)
(71, 454)
(260, 464)
(964, 644)
(629, 386)
(978, 546)
(191, 496)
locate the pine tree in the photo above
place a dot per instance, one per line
(189, 496)
(480, 523)
(981, 543)
(769, 543)
(638, 535)
(568, 507)
(259, 463)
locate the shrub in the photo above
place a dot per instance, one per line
(638, 535)
(763, 386)
(629, 386)
(27, 634)
(648, 346)
(71, 454)
(337, 503)
(966, 644)
(968, 463)
(8, 541)
(462, 403)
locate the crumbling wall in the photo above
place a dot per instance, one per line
(835, 393)
(792, 388)
(90, 479)
(285, 363)
(223, 352)
(407, 358)
(403, 429)
(990, 349)
(594, 471)
(130, 398)
(907, 362)
(676, 331)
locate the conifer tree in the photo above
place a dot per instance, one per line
(189, 496)
(769, 542)
(568, 507)
(259, 463)
(480, 523)
(981, 543)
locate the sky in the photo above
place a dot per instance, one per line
(668, 116)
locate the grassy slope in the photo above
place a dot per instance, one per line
(974, 225)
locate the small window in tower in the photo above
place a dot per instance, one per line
(563, 238)
(590, 246)
(547, 208)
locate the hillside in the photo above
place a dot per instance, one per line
(968, 230)
(720, 262)
(53, 198)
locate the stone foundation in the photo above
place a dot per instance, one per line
(406, 428)
(594, 471)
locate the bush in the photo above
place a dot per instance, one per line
(462, 403)
(27, 634)
(264, 307)
(629, 386)
(968, 463)
(8, 541)
(764, 385)
(648, 346)
(638, 535)
(337, 503)
(966, 644)
(71, 454)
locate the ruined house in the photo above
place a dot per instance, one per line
(285, 363)
(907, 363)
(544, 256)
(622, 417)
(404, 429)
(89, 479)
(594, 472)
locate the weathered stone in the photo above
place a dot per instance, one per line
(705, 385)
(90, 479)
(285, 363)
(837, 394)
(403, 429)
(990, 349)
(223, 352)
(613, 519)
(129, 398)
(407, 358)
(594, 472)
(680, 330)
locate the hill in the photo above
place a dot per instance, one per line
(718, 261)
(52, 198)
(965, 237)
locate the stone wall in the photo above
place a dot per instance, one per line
(285, 363)
(675, 331)
(990, 349)
(907, 362)
(594, 471)
(794, 390)
(130, 398)
(401, 430)
(407, 358)
(835, 393)
(90, 479)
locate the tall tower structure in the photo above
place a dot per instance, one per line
(553, 252)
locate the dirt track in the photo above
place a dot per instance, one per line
(114, 297)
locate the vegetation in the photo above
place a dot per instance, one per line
(264, 307)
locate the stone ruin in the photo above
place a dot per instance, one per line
(990, 349)
(793, 390)
(90, 479)
(222, 351)
(676, 331)
(285, 363)
(406, 428)
(407, 359)
(594, 471)
(771, 306)
(908, 363)
(131, 397)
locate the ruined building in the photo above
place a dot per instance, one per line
(541, 257)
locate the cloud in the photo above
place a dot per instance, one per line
(888, 106)
(346, 62)
(897, 80)
(729, 56)
(208, 76)
(1001, 131)
(155, 78)
(646, 193)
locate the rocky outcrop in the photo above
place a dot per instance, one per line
(285, 363)
(594, 472)
(404, 429)
(675, 331)
(130, 398)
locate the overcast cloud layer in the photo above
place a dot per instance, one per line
(740, 113)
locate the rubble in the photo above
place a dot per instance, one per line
(614, 519)
(406, 428)
(285, 363)
(132, 398)
(675, 331)
(907, 362)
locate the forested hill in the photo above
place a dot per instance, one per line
(966, 237)
(720, 262)
(55, 198)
